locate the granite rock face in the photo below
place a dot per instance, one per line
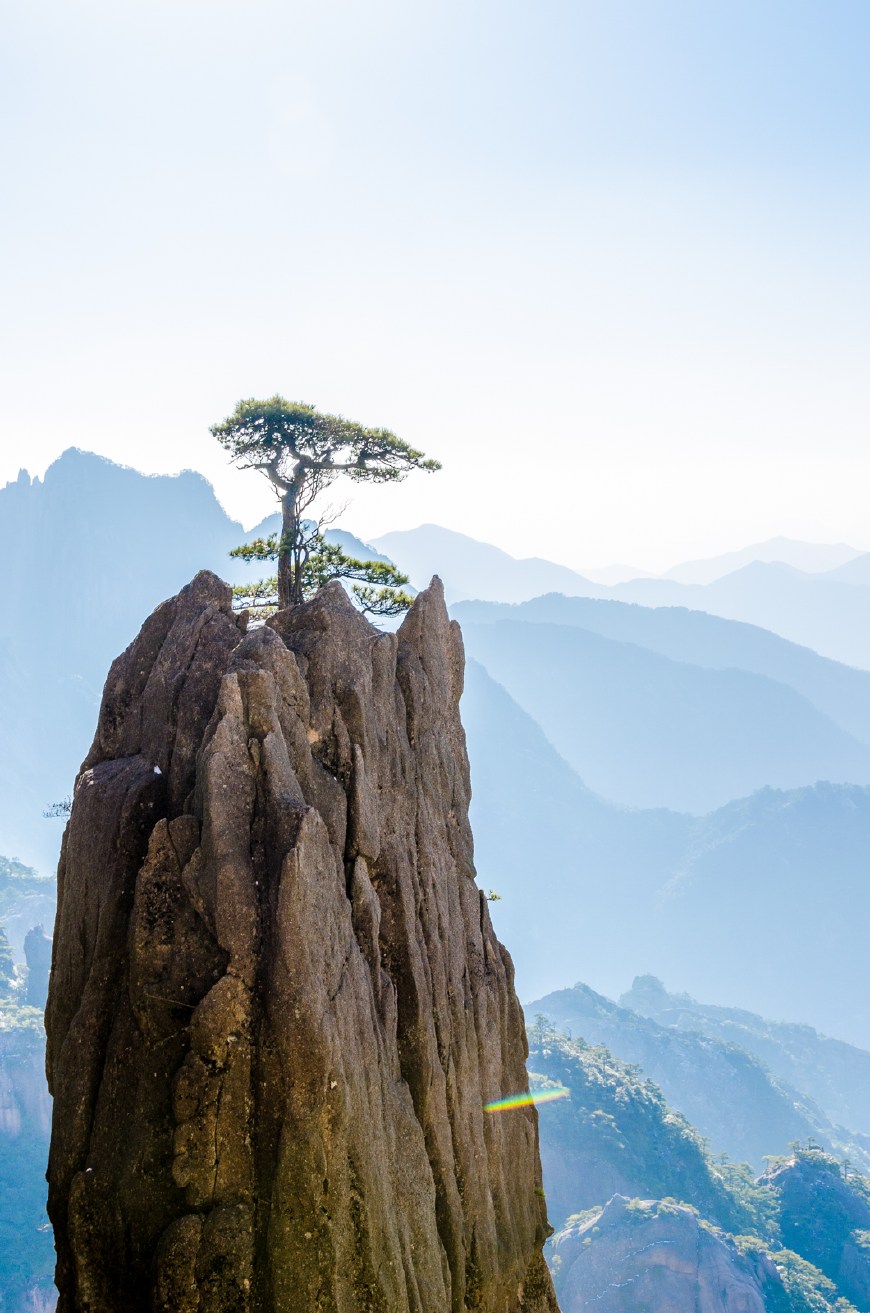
(649, 1255)
(277, 1004)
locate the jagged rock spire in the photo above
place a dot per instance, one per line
(277, 1003)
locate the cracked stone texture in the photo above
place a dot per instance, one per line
(277, 1003)
(649, 1255)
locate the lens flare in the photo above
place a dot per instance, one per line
(528, 1099)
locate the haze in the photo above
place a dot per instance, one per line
(607, 261)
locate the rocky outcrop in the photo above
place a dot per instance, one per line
(37, 954)
(644, 1254)
(826, 1219)
(277, 1005)
(25, 1108)
(617, 1135)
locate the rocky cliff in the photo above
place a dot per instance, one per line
(825, 1217)
(645, 1254)
(617, 1135)
(277, 1004)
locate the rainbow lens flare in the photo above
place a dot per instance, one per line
(526, 1100)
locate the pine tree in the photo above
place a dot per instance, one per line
(301, 451)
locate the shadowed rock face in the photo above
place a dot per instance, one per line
(277, 1004)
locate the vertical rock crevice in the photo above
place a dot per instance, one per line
(277, 1003)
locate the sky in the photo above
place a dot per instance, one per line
(607, 261)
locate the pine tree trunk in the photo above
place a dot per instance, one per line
(289, 586)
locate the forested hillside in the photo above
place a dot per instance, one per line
(648, 1217)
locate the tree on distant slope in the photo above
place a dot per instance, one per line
(301, 452)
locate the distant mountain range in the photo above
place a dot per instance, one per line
(472, 569)
(737, 1102)
(87, 553)
(764, 901)
(473, 560)
(646, 731)
(621, 1132)
(811, 558)
(834, 1075)
(826, 608)
(699, 639)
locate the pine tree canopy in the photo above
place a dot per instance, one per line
(301, 451)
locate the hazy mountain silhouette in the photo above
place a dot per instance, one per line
(827, 612)
(575, 874)
(834, 1075)
(840, 691)
(612, 574)
(763, 902)
(647, 731)
(812, 558)
(780, 879)
(478, 566)
(87, 552)
(469, 568)
(856, 571)
(727, 1093)
(824, 613)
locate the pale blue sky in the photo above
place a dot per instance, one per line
(608, 261)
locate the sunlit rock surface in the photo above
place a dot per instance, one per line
(277, 1004)
(642, 1254)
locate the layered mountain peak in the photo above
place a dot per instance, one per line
(277, 1004)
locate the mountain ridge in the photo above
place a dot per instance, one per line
(820, 612)
(727, 1093)
(647, 731)
(842, 692)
